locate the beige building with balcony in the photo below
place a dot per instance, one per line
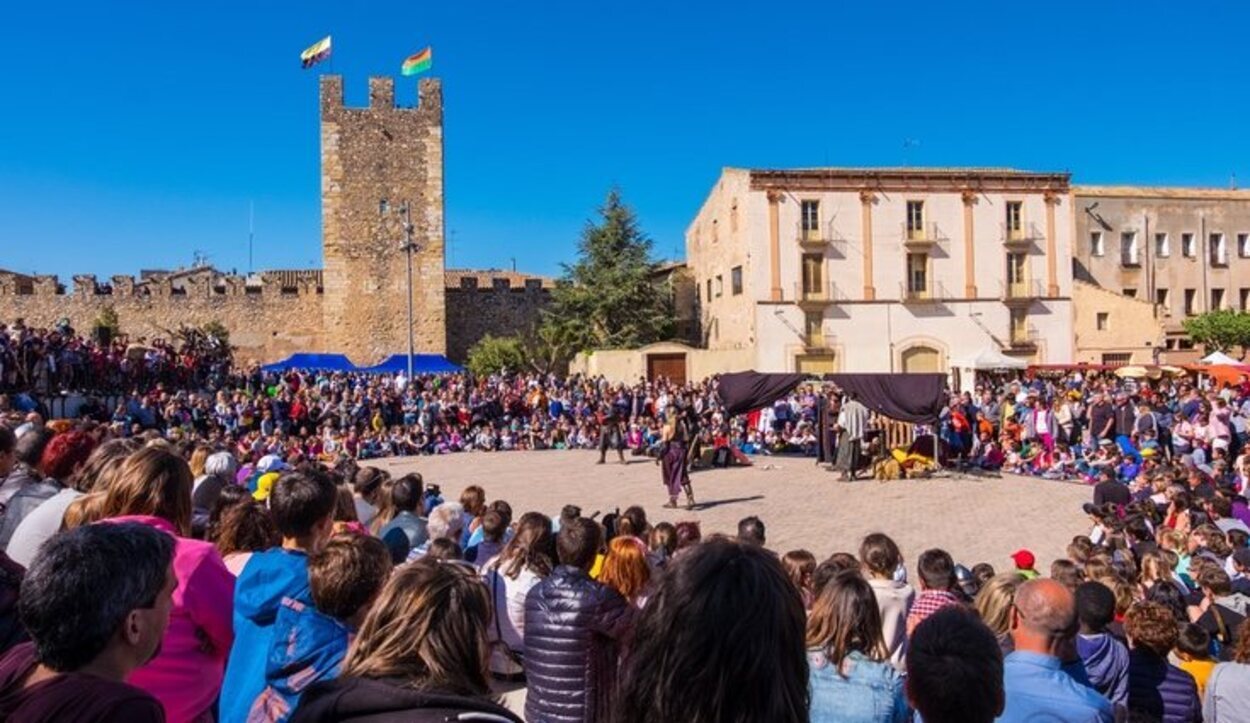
(1184, 250)
(906, 269)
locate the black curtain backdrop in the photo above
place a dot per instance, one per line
(916, 398)
(741, 392)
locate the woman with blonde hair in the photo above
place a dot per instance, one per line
(422, 651)
(626, 570)
(994, 604)
(153, 487)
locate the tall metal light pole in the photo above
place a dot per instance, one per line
(407, 246)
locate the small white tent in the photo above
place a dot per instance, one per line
(1219, 358)
(988, 359)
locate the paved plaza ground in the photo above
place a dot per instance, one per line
(803, 505)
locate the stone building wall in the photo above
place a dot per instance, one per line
(368, 155)
(266, 322)
(500, 309)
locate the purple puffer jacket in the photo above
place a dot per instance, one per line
(1161, 690)
(572, 628)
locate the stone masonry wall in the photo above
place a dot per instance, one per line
(368, 155)
(473, 311)
(266, 323)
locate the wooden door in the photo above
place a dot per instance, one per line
(672, 366)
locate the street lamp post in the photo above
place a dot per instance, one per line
(407, 246)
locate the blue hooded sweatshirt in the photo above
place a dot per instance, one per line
(1106, 664)
(268, 577)
(308, 646)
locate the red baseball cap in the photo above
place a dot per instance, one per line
(1023, 559)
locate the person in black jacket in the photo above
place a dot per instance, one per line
(572, 627)
(420, 655)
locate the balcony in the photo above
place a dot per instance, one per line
(825, 236)
(1023, 338)
(923, 238)
(1020, 239)
(930, 293)
(1021, 293)
(818, 342)
(815, 297)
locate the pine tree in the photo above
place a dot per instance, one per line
(609, 299)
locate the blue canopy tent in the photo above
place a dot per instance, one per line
(421, 364)
(329, 362)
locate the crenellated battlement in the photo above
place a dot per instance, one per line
(382, 97)
(199, 283)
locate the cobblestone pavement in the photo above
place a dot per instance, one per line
(802, 505)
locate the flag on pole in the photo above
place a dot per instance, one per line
(315, 53)
(418, 63)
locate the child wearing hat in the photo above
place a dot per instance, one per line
(1024, 564)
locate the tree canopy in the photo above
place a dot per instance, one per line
(608, 298)
(1219, 330)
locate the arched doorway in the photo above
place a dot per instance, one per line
(921, 359)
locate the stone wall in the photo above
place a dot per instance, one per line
(266, 322)
(368, 155)
(501, 309)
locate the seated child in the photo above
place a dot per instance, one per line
(310, 642)
(1193, 647)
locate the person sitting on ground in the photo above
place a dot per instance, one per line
(407, 529)
(1024, 562)
(1103, 658)
(79, 656)
(494, 527)
(23, 470)
(1043, 624)
(446, 522)
(1222, 612)
(851, 677)
(1227, 698)
(937, 580)
(799, 566)
(995, 602)
(153, 488)
(954, 669)
(751, 531)
(1193, 649)
(880, 558)
(412, 660)
(302, 505)
(310, 642)
(1156, 688)
(243, 529)
(626, 570)
(683, 667)
(526, 560)
(61, 459)
(572, 629)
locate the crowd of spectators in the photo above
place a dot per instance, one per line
(308, 591)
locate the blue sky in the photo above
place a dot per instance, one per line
(134, 134)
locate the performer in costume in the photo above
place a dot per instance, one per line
(673, 461)
(852, 424)
(610, 435)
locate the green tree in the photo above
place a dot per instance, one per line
(609, 299)
(107, 319)
(1219, 330)
(492, 354)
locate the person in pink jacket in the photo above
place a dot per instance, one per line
(154, 488)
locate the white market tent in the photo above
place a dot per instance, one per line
(1219, 358)
(988, 359)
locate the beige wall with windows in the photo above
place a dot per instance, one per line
(1109, 325)
(1184, 249)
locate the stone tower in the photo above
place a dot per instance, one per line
(368, 155)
